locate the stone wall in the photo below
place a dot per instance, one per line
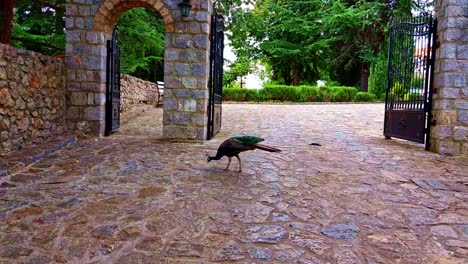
(32, 97)
(450, 108)
(135, 91)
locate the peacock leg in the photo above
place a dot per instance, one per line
(229, 163)
(240, 165)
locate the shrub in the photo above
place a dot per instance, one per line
(326, 93)
(412, 96)
(240, 95)
(399, 90)
(382, 96)
(343, 93)
(309, 94)
(279, 93)
(365, 97)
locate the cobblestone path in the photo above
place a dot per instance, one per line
(133, 198)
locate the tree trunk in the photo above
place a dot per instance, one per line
(365, 71)
(6, 20)
(295, 76)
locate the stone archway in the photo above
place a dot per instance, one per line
(186, 69)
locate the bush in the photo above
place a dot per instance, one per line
(343, 93)
(326, 93)
(240, 95)
(382, 96)
(279, 93)
(309, 94)
(412, 97)
(399, 90)
(365, 97)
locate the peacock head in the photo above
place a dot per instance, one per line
(208, 158)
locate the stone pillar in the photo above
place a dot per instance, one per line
(86, 74)
(186, 72)
(450, 105)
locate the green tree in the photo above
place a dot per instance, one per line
(39, 26)
(141, 38)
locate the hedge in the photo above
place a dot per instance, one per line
(284, 93)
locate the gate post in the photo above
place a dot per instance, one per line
(450, 101)
(186, 73)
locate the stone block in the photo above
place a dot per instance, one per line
(447, 51)
(181, 93)
(202, 16)
(441, 131)
(460, 133)
(79, 23)
(100, 98)
(447, 117)
(170, 104)
(199, 120)
(463, 117)
(449, 93)
(449, 147)
(190, 105)
(442, 104)
(205, 28)
(93, 62)
(181, 118)
(183, 41)
(189, 82)
(84, 10)
(195, 28)
(94, 37)
(78, 98)
(199, 94)
(199, 69)
(94, 113)
(461, 104)
(200, 41)
(171, 55)
(182, 69)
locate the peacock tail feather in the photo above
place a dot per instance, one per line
(248, 140)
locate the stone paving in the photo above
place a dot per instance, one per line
(133, 198)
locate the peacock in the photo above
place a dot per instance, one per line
(233, 146)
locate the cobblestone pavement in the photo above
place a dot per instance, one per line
(133, 198)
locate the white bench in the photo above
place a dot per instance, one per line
(160, 86)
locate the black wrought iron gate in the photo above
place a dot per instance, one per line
(410, 76)
(113, 84)
(216, 75)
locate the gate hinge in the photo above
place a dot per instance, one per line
(433, 122)
(434, 90)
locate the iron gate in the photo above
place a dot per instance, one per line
(410, 77)
(216, 75)
(113, 84)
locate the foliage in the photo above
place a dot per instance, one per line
(238, 68)
(39, 26)
(378, 74)
(365, 97)
(279, 93)
(240, 95)
(303, 41)
(399, 89)
(309, 94)
(141, 37)
(412, 96)
(343, 94)
(284, 93)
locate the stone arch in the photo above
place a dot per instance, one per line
(109, 12)
(186, 68)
